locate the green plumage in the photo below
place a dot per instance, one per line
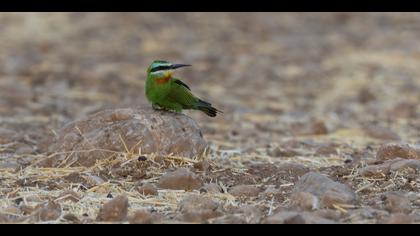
(170, 93)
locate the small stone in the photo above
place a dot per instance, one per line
(202, 165)
(147, 189)
(71, 217)
(406, 164)
(93, 180)
(211, 188)
(324, 188)
(403, 110)
(12, 210)
(196, 208)
(24, 149)
(114, 210)
(375, 170)
(272, 191)
(244, 191)
(280, 152)
(310, 128)
(365, 95)
(181, 179)
(6, 135)
(397, 202)
(329, 214)
(142, 216)
(327, 150)
(4, 218)
(382, 133)
(48, 211)
(68, 195)
(305, 201)
(368, 212)
(319, 128)
(393, 150)
(293, 217)
(229, 219)
(252, 214)
(400, 218)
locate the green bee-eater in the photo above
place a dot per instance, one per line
(170, 93)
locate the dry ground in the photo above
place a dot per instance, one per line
(299, 92)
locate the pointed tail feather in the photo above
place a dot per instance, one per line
(207, 108)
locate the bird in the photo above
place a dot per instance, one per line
(166, 92)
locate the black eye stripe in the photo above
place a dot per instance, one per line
(158, 68)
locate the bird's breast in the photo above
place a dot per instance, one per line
(162, 80)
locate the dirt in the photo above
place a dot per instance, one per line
(333, 95)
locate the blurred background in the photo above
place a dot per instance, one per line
(275, 75)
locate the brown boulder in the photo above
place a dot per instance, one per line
(102, 134)
(395, 150)
(114, 210)
(329, 191)
(181, 179)
(244, 191)
(196, 208)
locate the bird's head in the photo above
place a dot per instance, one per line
(160, 68)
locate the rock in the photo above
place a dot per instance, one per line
(397, 164)
(394, 150)
(229, 219)
(93, 180)
(367, 212)
(11, 164)
(293, 217)
(114, 210)
(68, 195)
(310, 128)
(405, 164)
(6, 136)
(202, 165)
(324, 188)
(158, 132)
(251, 214)
(196, 208)
(147, 189)
(382, 133)
(403, 110)
(365, 95)
(399, 218)
(72, 218)
(329, 214)
(143, 216)
(281, 152)
(305, 201)
(47, 212)
(397, 202)
(375, 170)
(272, 191)
(244, 191)
(319, 128)
(327, 149)
(11, 214)
(181, 179)
(211, 188)
(4, 218)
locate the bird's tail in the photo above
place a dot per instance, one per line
(207, 108)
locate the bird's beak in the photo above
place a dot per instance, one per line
(176, 66)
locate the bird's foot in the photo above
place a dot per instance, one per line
(156, 107)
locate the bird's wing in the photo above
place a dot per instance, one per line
(179, 82)
(181, 93)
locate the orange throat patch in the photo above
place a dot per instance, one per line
(162, 80)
